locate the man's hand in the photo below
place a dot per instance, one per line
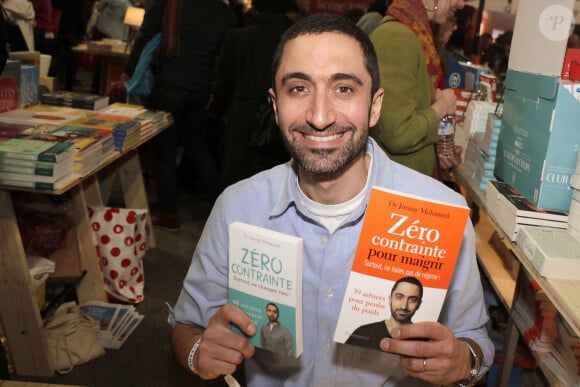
(221, 349)
(442, 359)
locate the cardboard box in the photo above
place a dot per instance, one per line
(541, 32)
(538, 143)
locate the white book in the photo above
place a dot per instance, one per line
(265, 273)
(554, 253)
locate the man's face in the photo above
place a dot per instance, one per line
(404, 302)
(323, 101)
(272, 313)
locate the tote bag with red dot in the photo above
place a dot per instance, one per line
(121, 238)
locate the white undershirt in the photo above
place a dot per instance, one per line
(332, 215)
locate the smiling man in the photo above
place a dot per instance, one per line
(326, 95)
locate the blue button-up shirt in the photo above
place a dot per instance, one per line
(270, 199)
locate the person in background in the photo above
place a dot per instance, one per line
(74, 16)
(109, 25)
(3, 40)
(20, 24)
(44, 37)
(411, 74)
(326, 93)
(374, 15)
(242, 83)
(192, 34)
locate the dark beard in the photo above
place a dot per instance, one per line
(325, 162)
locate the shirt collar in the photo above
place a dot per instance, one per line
(288, 192)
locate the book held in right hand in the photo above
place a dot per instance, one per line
(402, 267)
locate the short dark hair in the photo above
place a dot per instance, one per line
(274, 305)
(412, 281)
(321, 22)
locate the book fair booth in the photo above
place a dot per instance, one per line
(63, 153)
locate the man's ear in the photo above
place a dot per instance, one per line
(376, 105)
(273, 101)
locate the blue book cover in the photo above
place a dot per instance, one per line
(265, 280)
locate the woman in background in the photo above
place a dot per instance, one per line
(410, 69)
(19, 24)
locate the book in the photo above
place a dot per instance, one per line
(553, 252)
(10, 85)
(35, 116)
(116, 321)
(403, 238)
(517, 204)
(37, 168)
(36, 149)
(75, 99)
(266, 273)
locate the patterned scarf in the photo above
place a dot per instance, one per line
(412, 13)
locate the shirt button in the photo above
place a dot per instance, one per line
(323, 240)
(326, 346)
(329, 293)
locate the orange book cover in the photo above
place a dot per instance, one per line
(403, 238)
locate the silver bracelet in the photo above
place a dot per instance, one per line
(192, 355)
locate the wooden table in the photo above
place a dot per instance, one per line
(112, 63)
(19, 312)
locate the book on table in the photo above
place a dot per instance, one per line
(403, 238)
(75, 99)
(265, 273)
(553, 252)
(38, 150)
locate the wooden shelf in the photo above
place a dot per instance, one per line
(19, 312)
(505, 278)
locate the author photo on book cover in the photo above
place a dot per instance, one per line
(404, 300)
(274, 336)
(326, 95)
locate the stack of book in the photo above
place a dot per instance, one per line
(479, 157)
(574, 213)
(35, 163)
(117, 322)
(38, 115)
(475, 119)
(124, 131)
(553, 252)
(152, 121)
(564, 359)
(534, 315)
(512, 211)
(75, 99)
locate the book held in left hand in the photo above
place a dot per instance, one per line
(265, 280)
(402, 236)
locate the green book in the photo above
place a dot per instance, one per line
(39, 150)
(553, 252)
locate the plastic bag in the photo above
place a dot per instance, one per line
(121, 236)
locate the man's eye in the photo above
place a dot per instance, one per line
(344, 89)
(298, 89)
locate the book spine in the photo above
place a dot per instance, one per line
(40, 170)
(26, 184)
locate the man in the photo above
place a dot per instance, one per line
(326, 95)
(276, 337)
(405, 299)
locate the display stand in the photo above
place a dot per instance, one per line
(19, 313)
(562, 293)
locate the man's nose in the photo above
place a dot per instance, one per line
(321, 113)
